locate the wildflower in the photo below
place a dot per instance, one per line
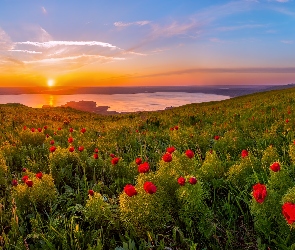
(52, 149)
(51, 142)
(189, 153)
(176, 127)
(47, 135)
(130, 190)
(115, 160)
(45, 127)
(39, 175)
(59, 128)
(70, 140)
(275, 167)
(80, 148)
(171, 129)
(138, 161)
(39, 129)
(95, 156)
(83, 130)
(24, 170)
(112, 155)
(29, 183)
(259, 192)
(149, 187)
(167, 157)
(71, 149)
(25, 178)
(193, 180)
(33, 129)
(288, 210)
(181, 181)
(14, 182)
(244, 153)
(170, 150)
(287, 120)
(216, 137)
(71, 130)
(24, 127)
(96, 150)
(143, 168)
(91, 192)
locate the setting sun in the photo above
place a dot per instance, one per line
(50, 82)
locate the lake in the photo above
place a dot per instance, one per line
(116, 102)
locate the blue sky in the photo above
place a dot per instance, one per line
(147, 42)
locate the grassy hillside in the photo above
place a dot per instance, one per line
(216, 175)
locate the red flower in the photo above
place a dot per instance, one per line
(138, 161)
(59, 128)
(51, 142)
(39, 175)
(176, 127)
(71, 149)
(287, 120)
(170, 150)
(259, 192)
(115, 160)
(45, 127)
(24, 127)
(96, 150)
(70, 140)
(25, 178)
(95, 156)
(130, 190)
(189, 153)
(167, 157)
(80, 148)
(71, 130)
(181, 181)
(47, 135)
(52, 149)
(112, 155)
(29, 183)
(216, 137)
(24, 170)
(171, 129)
(288, 210)
(83, 130)
(33, 129)
(143, 168)
(275, 167)
(39, 129)
(192, 180)
(244, 153)
(91, 192)
(14, 182)
(149, 187)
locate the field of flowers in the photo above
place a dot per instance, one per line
(217, 175)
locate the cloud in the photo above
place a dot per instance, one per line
(282, 1)
(44, 10)
(287, 41)
(138, 23)
(25, 51)
(52, 44)
(5, 41)
(239, 27)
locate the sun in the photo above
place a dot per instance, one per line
(50, 82)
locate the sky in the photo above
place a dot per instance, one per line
(146, 42)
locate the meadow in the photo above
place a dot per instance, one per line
(218, 175)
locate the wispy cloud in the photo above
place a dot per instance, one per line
(44, 10)
(138, 23)
(240, 27)
(282, 1)
(5, 41)
(287, 41)
(25, 51)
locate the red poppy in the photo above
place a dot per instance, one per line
(24, 170)
(52, 149)
(259, 192)
(176, 127)
(71, 130)
(25, 178)
(83, 130)
(149, 187)
(24, 127)
(192, 180)
(59, 128)
(112, 155)
(189, 153)
(181, 181)
(138, 161)
(287, 120)
(167, 157)
(143, 168)
(115, 160)
(80, 148)
(47, 135)
(170, 150)
(288, 210)
(275, 167)
(91, 192)
(39, 129)
(14, 182)
(130, 190)
(171, 129)
(70, 140)
(216, 137)
(51, 142)
(33, 129)
(95, 156)
(45, 127)
(71, 149)
(244, 153)
(29, 183)
(96, 150)
(39, 175)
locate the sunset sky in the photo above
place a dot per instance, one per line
(144, 43)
